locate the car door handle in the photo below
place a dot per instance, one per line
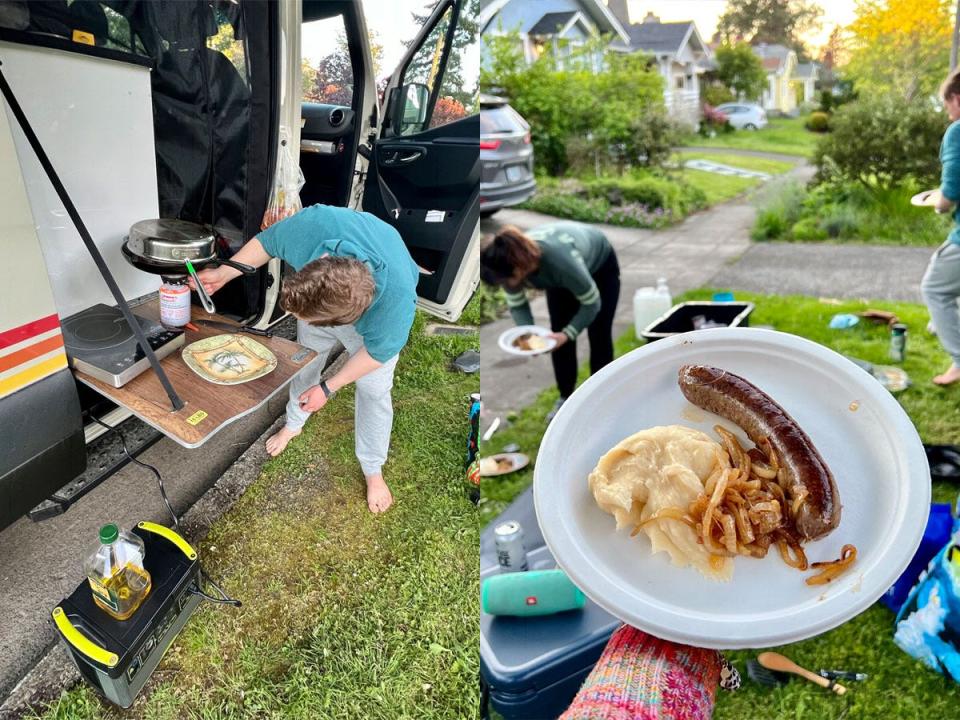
(393, 155)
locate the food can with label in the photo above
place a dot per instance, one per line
(511, 554)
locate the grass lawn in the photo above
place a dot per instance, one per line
(719, 188)
(345, 614)
(746, 162)
(783, 135)
(899, 687)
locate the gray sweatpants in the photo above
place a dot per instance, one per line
(373, 413)
(941, 289)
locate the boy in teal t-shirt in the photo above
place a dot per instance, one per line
(356, 285)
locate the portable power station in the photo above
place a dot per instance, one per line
(117, 657)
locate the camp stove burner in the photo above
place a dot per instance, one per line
(100, 343)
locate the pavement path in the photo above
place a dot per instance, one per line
(713, 249)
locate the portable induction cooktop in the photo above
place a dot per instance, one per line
(100, 343)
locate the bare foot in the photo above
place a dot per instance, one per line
(949, 377)
(278, 442)
(379, 497)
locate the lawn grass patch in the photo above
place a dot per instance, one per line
(345, 614)
(744, 162)
(786, 136)
(719, 188)
(899, 686)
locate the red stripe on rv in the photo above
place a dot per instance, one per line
(25, 332)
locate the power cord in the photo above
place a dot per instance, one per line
(223, 598)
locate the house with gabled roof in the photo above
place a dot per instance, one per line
(806, 76)
(555, 26)
(681, 56)
(780, 64)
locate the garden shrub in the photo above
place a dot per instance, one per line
(818, 122)
(840, 221)
(808, 228)
(619, 110)
(651, 191)
(781, 207)
(882, 143)
(716, 94)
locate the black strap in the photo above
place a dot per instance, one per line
(390, 201)
(68, 205)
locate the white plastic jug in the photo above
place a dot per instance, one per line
(649, 304)
(663, 296)
(646, 306)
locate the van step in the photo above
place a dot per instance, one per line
(105, 456)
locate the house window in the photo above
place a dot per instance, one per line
(679, 82)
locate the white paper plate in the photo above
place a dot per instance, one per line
(508, 336)
(927, 198)
(862, 432)
(518, 462)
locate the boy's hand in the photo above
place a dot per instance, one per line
(212, 278)
(561, 339)
(312, 399)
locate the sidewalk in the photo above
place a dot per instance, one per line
(713, 249)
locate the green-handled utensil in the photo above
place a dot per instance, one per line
(201, 291)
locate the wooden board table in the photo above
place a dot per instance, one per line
(207, 407)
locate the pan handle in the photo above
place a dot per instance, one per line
(245, 269)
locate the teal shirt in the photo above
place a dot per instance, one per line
(950, 175)
(324, 229)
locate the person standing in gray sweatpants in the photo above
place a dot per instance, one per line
(941, 282)
(354, 284)
(373, 414)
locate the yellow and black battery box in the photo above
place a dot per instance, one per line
(117, 657)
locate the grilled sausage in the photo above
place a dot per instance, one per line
(806, 473)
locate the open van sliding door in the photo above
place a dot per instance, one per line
(424, 175)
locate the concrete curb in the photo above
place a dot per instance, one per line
(55, 673)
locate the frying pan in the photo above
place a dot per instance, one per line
(163, 246)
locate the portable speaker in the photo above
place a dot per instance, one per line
(525, 594)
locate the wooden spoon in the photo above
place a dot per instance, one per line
(776, 661)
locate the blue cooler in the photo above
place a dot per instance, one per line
(531, 668)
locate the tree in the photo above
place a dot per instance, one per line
(331, 81)
(617, 114)
(425, 63)
(739, 69)
(770, 21)
(900, 46)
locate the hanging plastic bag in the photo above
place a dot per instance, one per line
(287, 182)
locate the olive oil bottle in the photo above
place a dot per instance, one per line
(116, 574)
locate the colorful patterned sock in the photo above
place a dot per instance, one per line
(640, 677)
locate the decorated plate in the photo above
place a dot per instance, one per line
(229, 359)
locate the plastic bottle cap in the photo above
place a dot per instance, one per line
(109, 533)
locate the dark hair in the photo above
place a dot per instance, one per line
(508, 257)
(951, 86)
(329, 291)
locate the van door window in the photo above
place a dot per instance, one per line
(424, 106)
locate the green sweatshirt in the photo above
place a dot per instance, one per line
(950, 174)
(571, 254)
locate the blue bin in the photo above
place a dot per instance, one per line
(531, 668)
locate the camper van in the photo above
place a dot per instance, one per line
(187, 109)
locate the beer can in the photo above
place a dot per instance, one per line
(510, 552)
